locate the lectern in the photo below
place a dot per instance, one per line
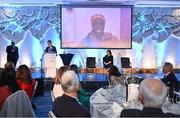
(50, 65)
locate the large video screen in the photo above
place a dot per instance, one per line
(96, 27)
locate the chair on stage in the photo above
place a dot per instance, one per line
(90, 63)
(125, 63)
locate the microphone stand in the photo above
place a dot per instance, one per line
(42, 64)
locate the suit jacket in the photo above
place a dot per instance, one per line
(51, 49)
(171, 81)
(12, 54)
(146, 112)
(66, 106)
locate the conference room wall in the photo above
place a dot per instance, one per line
(155, 37)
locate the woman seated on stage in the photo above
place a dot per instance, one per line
(25, 80)
(57, 89)
(114, 75)
(108, 60)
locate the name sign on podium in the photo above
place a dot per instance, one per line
(50, 65)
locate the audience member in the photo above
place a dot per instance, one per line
(114, 75)
(74, 68)
(25, 80)
(17, 105)
(57, 89)
(170, 80)
(152, 94)
(83, 95)
(9, 67)
(8, 86)
(67, 105)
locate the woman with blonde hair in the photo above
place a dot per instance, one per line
(57, 89)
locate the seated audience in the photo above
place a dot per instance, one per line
(9, 66)
(152, 94)
(83, 96)
(8, 86)
(170, 80)
(57, 89)
(17, 105)
(67, 105)
(114, 75)
(74, 68)
(25, 80)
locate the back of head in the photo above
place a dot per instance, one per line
(114, 71)
(24, 74)
(153, 91)
(69, 82)
(74, 68)
(8, 78)
(9, 66)
(59, 74)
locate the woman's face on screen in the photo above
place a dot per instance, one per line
(98, 26)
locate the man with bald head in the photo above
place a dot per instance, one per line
(97, 37)
(68, 105)
(152, 94)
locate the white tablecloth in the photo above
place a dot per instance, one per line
(110, 102)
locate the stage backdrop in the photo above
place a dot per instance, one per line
(155, 37)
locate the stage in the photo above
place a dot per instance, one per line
(92, 79)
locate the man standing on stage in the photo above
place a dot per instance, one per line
(50, 48)
(12, 53)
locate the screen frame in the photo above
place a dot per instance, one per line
(93, 6)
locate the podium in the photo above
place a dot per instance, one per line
(66, 58)
(50, 65)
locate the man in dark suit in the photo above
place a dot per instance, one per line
(170, 80)
(152, 94)
(68, 105)
(50, 48)
(12, 53)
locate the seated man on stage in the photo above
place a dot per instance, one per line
(108, 59)
(152, 94)
(50, 48)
